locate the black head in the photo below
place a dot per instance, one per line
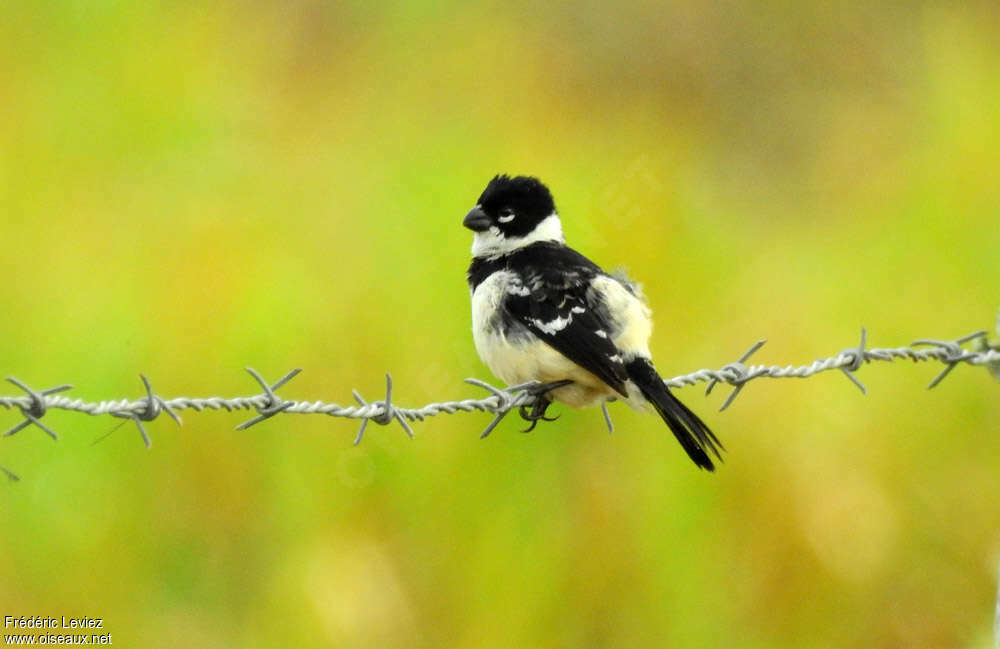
(512, 205)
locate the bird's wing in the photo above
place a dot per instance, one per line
(556, 306)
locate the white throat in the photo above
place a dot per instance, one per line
(492, 244)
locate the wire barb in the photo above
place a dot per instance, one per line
(503, 405)
(36, 409)
(856, 356)
(272, 404)
(523, 395)
(952, 353)
(149, 408)
(735, 374)
(385, 412)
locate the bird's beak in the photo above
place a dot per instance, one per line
(477, 220)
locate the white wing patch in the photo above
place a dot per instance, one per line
(552, 326)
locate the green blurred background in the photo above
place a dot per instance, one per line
(190, 188)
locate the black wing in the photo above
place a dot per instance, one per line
(554, 306)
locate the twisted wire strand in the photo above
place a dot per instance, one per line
(34, 404)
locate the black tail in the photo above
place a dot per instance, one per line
(689, 430)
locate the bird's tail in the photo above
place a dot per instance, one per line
(689, 430)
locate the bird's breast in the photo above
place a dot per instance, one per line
(496, 334)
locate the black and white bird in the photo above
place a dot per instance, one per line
(543, 312)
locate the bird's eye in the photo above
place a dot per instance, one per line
(506, 215)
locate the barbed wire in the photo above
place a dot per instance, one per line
(34, 404)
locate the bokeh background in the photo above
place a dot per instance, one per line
(189, 188)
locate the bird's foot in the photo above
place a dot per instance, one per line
(536, 411)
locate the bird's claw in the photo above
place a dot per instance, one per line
(536, 411)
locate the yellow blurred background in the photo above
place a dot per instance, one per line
(190, 188)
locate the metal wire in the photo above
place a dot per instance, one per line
(36, 403)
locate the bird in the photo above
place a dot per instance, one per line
(544, 314)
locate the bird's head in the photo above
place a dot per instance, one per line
(512, 213)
